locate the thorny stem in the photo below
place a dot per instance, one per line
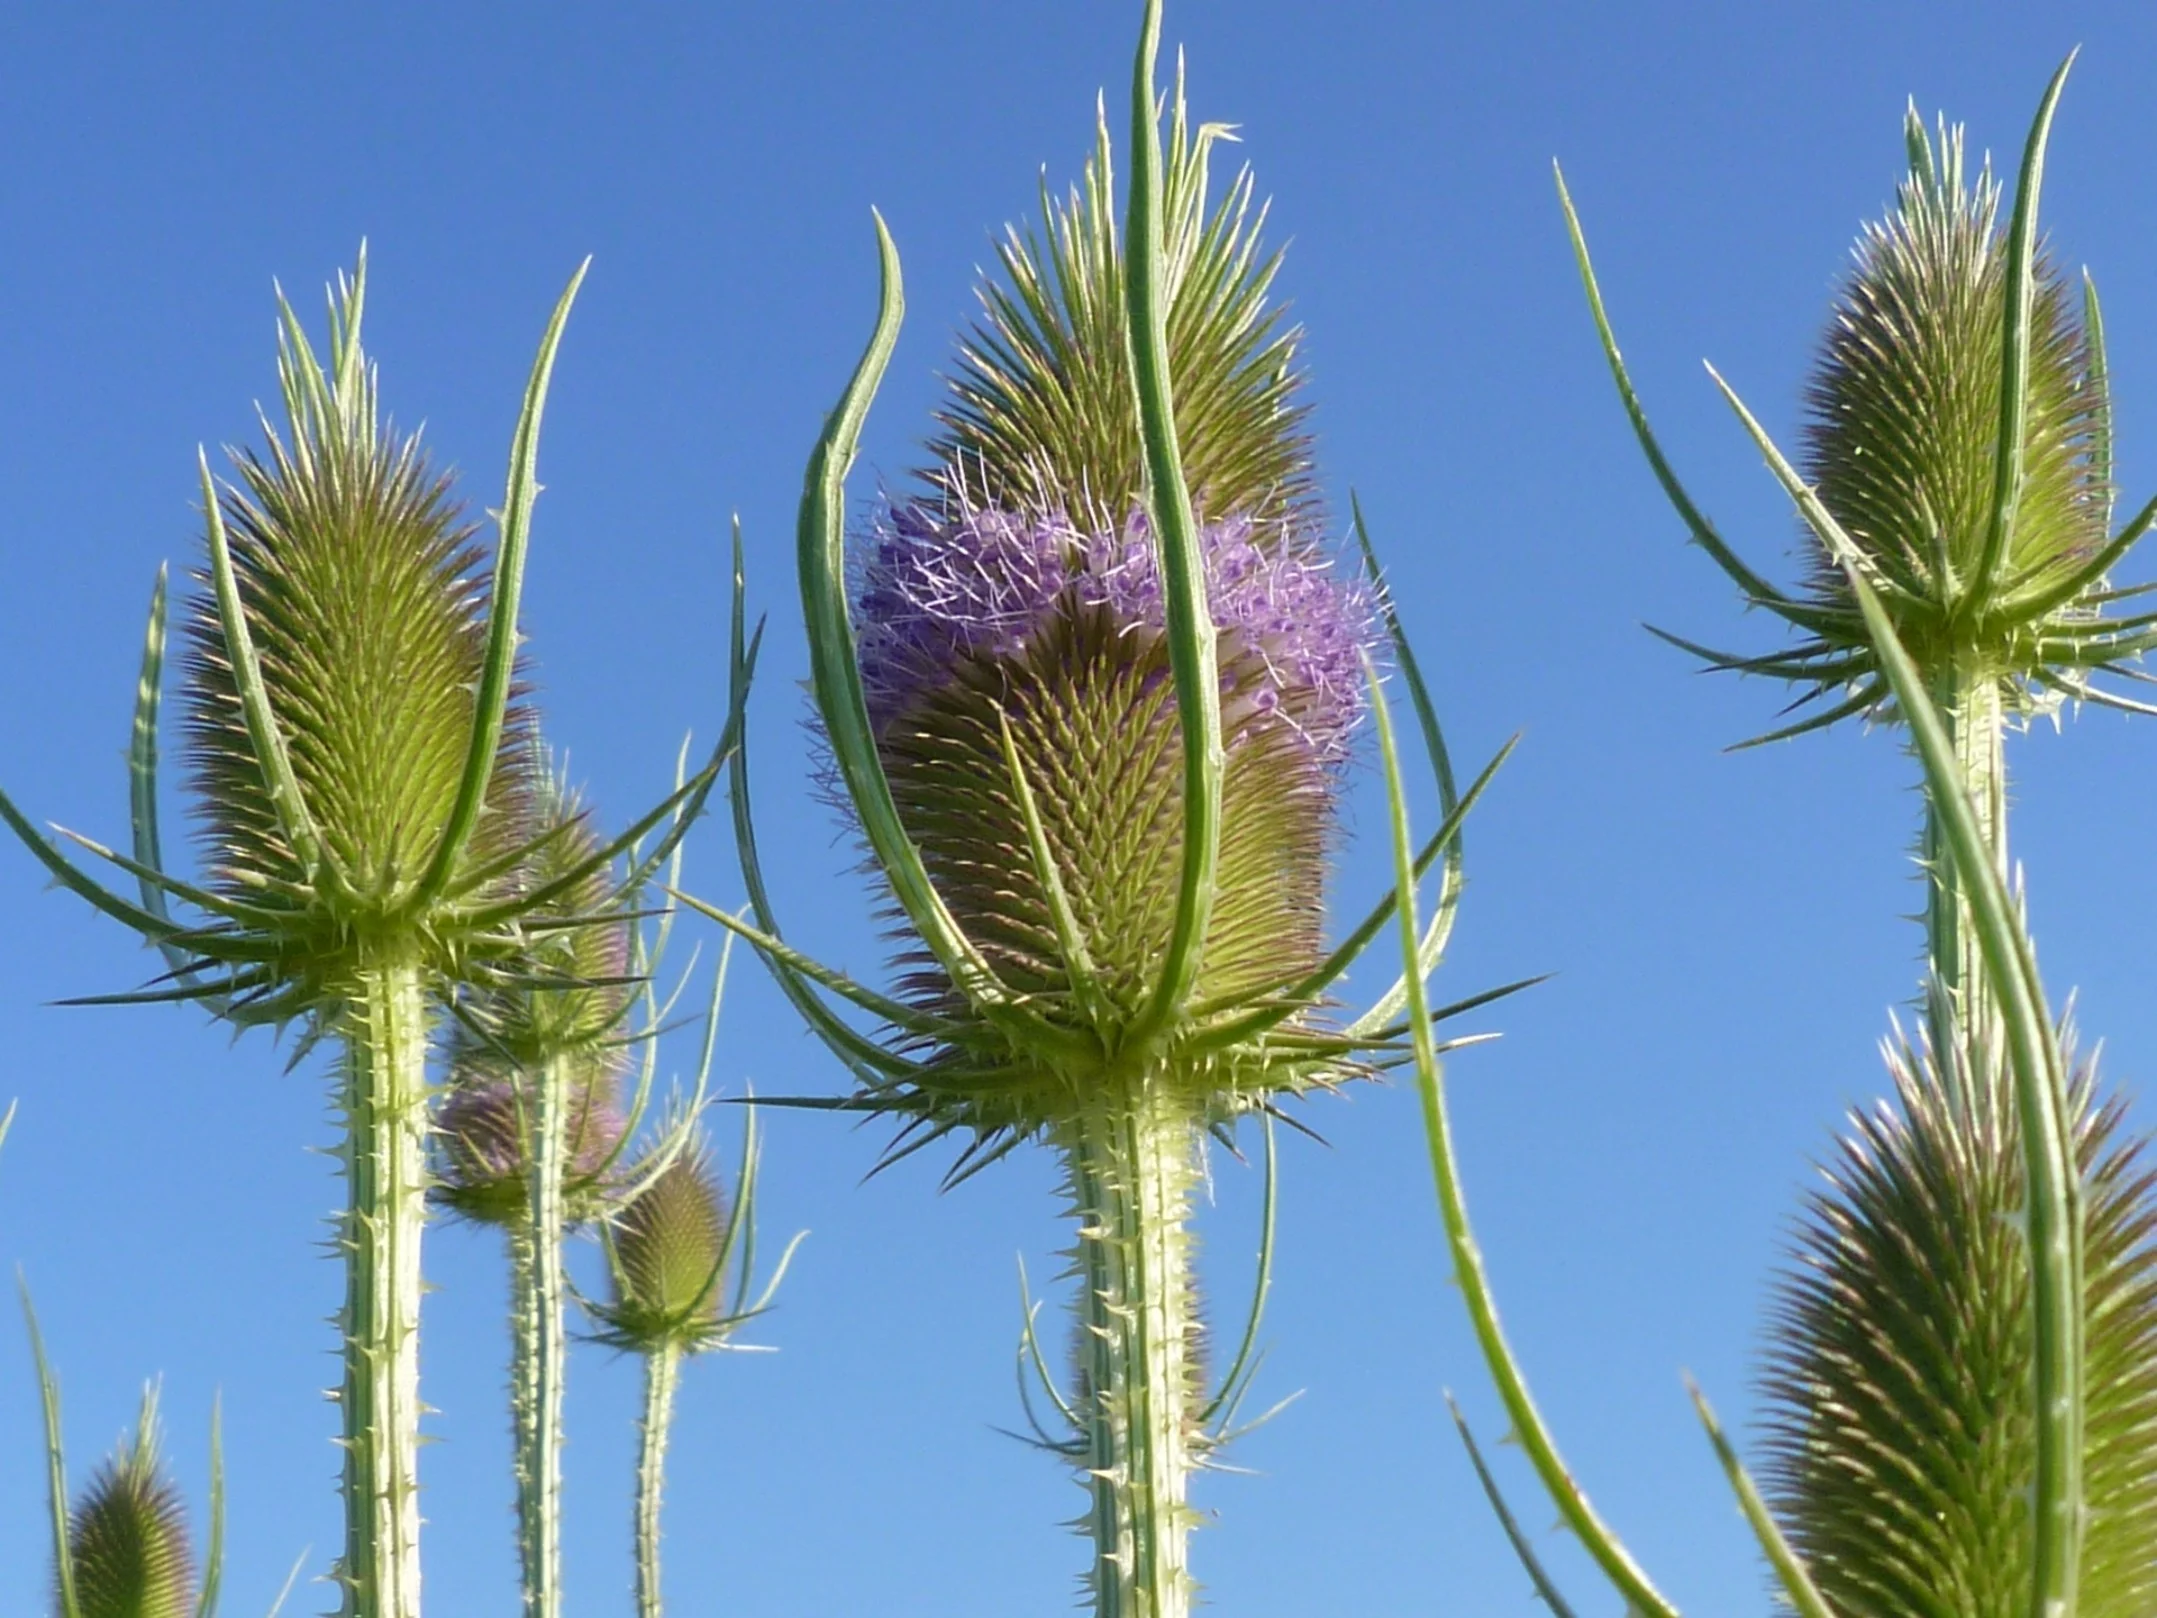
(1132, 1162)
(1970, 708)
(662, 1369)
(540, 1344)
(385, 1105)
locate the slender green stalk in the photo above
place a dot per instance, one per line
(1970, 709)
(386, 1184)
(540, 1346)
(662, 1371)
(1133, 1162)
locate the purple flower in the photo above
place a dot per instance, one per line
(944, 588)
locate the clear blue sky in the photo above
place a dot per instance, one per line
(1726, 930)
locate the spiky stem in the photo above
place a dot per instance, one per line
(662, 1369)
(1970, 708)
(1133, 1160)
(540, 1344)
(385, 1172)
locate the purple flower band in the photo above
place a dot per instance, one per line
(942, 587)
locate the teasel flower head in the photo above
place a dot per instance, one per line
(1901, 1439)
(127, 1543)
(1090, 689)
(357, 735)
(670, 1247)
(1959, 439)
(569, 1005)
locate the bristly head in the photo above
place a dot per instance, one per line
(127, 1536)
(364, 595)
(670, 1249)
(1903, 436)
(566, 1004)
(1901, 1446)
(1043, 415)
(1959, 442)
(1017, 671)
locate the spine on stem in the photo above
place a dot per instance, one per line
(1133, 1162)
(662, 1370)
(386, 1185)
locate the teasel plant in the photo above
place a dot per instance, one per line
(1960, 1378)
(533, 1128)
(359, 749)
(681, 1267)
(1089, 693)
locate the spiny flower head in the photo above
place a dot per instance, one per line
(485, 1128)
(1958, 444)
(127, 1536)
(567, 1007)
(1901, 1448)
(1903, 436)
(670, 1247)
(1001, 645)
(1018, 665)
(325, 794)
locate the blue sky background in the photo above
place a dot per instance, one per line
(1726, 931)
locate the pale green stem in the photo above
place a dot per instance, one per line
(662, 1369)
(1133, 1161)
(385, 1171)
(540, 1344)
(1971, 711)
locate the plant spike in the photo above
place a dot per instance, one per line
(2054, 1209)
(366, 828)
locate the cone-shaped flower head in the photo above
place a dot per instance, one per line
(127, 1537)
(1901, 1444)
(567, 1006)
(670, 1248)
(1903, 437)
(1958, 441)
(364, 600)
(1017, 663)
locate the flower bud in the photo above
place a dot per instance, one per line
(127, 1537)
(668, 1244)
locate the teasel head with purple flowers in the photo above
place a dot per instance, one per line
(1089, 689)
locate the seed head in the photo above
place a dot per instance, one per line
(365, 598)
(1903, 433)
(127, 1536)
(669, 1245)
(1901, 1450)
